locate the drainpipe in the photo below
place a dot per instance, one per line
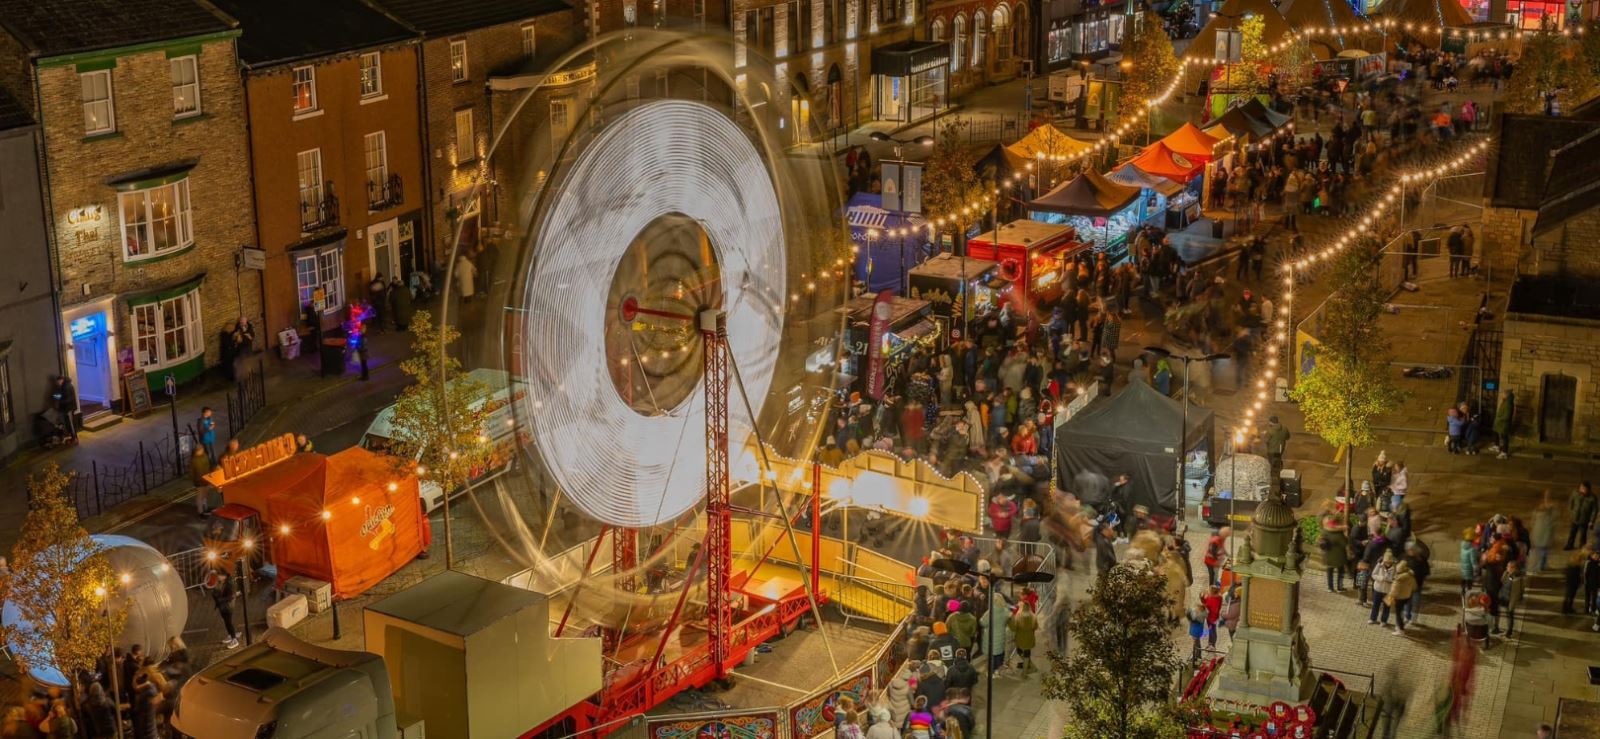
(250, 163)
(46, 202)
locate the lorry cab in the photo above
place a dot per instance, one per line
(232, 532)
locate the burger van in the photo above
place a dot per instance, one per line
(499, 426)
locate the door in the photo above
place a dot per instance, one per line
(384, 250)
(1557, 408)
(92, 361)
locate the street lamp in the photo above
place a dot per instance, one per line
(958, 567)
(1183, 433)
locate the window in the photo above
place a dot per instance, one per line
(936, 30)
(309, 165)
(325, 270)
(530, 40)
(8, 414)
(99, 113)
(1002, 34)
(958, 47)
(560, 120)
(371, 75)
(980, 29)
(305, 89)
(458, 61)
(466, 150)
(167, 332)
(377, 150)
(155, 220)
(185, 86)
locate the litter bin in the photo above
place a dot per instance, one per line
(332, 357)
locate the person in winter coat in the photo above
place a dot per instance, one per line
(1469, 560)
(1197, 629)
(1417, 558)
(1511, 591)
(1382, 581)
(1400, 591)
(1002, 511)
(1382, 473)
(146, 712)
(1024, 627)
(1232, 609)
(1540, 534)
(959, 672)
(1372, 553)
(1105, 554)
(1398, 485)
(401, 306)
(1591, 582)
(963, 625)
(882, 723)
(1212, 600)
(1216, 554)
(1574, 579)
(1334, 544)
(898, 696)
(1581, 504)
(919, 723)
(944, 645)
(466, 277)
(995, 628)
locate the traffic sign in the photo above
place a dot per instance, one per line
(172, 386)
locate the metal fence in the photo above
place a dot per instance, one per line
(248, 397)
(154, 463)
(983, 128)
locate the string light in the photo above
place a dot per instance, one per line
(1294, 268)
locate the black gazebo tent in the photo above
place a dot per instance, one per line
(1089, 194)
(1135, 432)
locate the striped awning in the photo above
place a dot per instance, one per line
(866, 216)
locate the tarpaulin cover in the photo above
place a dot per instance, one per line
(865, 213)
(299, 472)
(1129, 174)
(1088, 194)
(1433, 13)
(1231, 16)
(1134, 432)
(1191, 142)
(1047, 140)
(369, 531)
(1159, 160)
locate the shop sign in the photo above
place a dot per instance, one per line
(378, 522)
(86, 222)
(256, 458)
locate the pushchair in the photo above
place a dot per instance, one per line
(1475, 617)
(48, 432)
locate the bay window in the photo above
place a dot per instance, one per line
(166, 330)
(155, 220)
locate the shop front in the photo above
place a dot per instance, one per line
(1102, 212)
(1030, 255)
(911, 324)
(910, 80)
(1082, 29)
(1162, 198)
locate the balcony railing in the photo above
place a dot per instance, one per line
(386, 194)
(322, 214)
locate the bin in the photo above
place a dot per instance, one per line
(332, 357)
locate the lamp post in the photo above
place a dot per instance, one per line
(111, 657)
(923, 141)
(1183, 433)
(958, 567)
(244, 586)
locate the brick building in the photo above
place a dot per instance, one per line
(336, 150)
(30, 357)
(148, 181)
(462, 44)
(1552, 318)
(988, 39)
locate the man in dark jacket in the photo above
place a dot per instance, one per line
(960, 673)
(1105, 555)
(64, 398)
(930, 685)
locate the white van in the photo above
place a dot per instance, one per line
(499, 426)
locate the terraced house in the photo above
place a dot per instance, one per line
(335, 146)
(147, 181)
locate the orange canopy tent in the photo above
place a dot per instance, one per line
(1159, 160)
(357, 528)
(1192, 143)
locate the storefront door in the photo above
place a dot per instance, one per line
(91, 360)
(383, 250)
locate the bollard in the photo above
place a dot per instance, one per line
(333, 603)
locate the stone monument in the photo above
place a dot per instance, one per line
(1268, 661)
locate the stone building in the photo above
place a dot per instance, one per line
(335, 148)
(462, 46)
(30, 357)
(147, 181)
(1514, 188)
(989, 39)
(1552, 318)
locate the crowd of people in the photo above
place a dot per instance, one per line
(126, 685)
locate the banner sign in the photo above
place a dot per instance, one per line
(754, 725)
(813, 716)
(878, 342)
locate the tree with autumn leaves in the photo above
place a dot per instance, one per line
(949, 181)
(1153, 65)
(1553, 64)
(1351, 384)
(69, 603)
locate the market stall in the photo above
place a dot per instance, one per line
(1045, 147)
(960, 289)
(1103, 212)
(910, 323)
(1133, 433)
(1030, 254)
(1250, 121)
(1160, 195)
(882, 260)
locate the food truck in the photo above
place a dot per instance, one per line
(1030, 255)
(910, 321)
(349, 519)
(939, 281)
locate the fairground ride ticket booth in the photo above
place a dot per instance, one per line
(910, 80)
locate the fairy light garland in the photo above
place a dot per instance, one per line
(1279, 335)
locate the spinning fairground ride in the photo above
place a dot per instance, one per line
(640, 292)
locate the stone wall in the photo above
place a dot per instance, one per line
(147, 137)
(1503, 232)
(1537, 346)
(1573, 248)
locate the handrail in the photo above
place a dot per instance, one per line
(853, 563)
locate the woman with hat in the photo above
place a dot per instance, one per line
(1382, 582)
